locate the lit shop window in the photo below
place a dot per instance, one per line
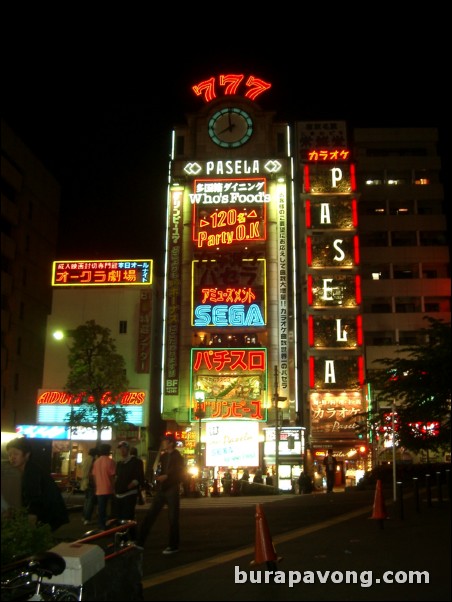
(422, 182)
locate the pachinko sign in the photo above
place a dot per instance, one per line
(229, 383)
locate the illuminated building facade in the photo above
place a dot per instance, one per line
(332, 337)
(118, 294)
(230, 323)
(374, 261)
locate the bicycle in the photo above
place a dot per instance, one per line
(27, 579)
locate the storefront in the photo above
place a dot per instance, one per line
(287, 461)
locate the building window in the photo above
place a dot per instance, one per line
(408, 337)
(377, 305)
(432, 239)
(404, 271)
(372, 208)
(122, 326)
(374, 239)
(401, 207)
(437, 304)
(384, 337)
(405, 305)
(422, 177)
(403, 239)
(429, 207)
(375, 271)
(435, 270)
(374, 182)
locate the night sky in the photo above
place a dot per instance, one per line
(111, 156)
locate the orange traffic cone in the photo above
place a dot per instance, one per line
(264, 548)
(379, 510)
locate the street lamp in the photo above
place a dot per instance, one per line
(200, 414)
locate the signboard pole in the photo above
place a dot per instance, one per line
(276, 398)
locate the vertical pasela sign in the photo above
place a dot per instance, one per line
(335, 340)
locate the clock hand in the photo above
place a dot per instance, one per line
(229, 128)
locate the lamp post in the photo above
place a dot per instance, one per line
(394, 459)
(200, 414)
(60, 335)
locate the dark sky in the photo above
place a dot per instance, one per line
(111, 156)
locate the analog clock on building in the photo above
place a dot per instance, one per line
(230, 127)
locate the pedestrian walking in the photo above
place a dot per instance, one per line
(129, 476)
(39, 492)
(168, 480)
(104, 470)
(226, 481)
(87, 486)
(330, 464)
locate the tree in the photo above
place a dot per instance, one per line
(97, 377)
(418, 383)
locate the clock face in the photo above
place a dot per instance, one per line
(230, 127)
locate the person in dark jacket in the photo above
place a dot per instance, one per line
(141, 498)
(39, 492)
(129, 478)
(168, 481)
(330, 464)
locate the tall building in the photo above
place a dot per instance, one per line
(374, 261)
(230, 353)
(405, 248)
(30, 209)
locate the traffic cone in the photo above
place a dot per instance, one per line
(264, 548)
(379, 510)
